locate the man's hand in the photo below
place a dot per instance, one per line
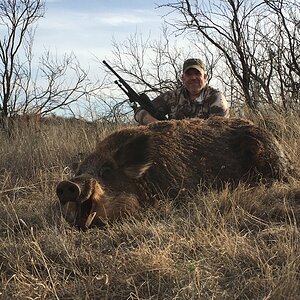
(144, 118)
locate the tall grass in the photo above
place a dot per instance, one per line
(241, 244)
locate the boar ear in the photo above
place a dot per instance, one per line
(133, 156)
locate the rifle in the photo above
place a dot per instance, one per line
(142, 99)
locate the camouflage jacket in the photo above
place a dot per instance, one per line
(176, 104)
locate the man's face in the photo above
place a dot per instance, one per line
(194, 80)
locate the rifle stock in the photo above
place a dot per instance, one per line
(142, 99)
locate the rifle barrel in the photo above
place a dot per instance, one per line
(130, 91)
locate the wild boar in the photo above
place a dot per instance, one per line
(133, 166)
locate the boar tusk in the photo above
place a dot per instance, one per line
(90, 219)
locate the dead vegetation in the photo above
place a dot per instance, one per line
(229, 245)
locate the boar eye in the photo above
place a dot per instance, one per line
(105, 172)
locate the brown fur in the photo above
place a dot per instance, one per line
(132, 166)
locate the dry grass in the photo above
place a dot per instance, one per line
(229, 245)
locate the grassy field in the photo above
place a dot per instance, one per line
(241, 244)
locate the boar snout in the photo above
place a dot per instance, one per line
(67, 191)
(79, 200)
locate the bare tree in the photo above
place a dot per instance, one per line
(152, 65)
(286, 24)
(16, 21)
(61, 82)
(28, 87)
(244, 32)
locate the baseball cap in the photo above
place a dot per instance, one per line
(193, 63)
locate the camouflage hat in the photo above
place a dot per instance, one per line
(193, 63)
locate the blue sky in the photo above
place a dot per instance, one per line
(88, 27)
